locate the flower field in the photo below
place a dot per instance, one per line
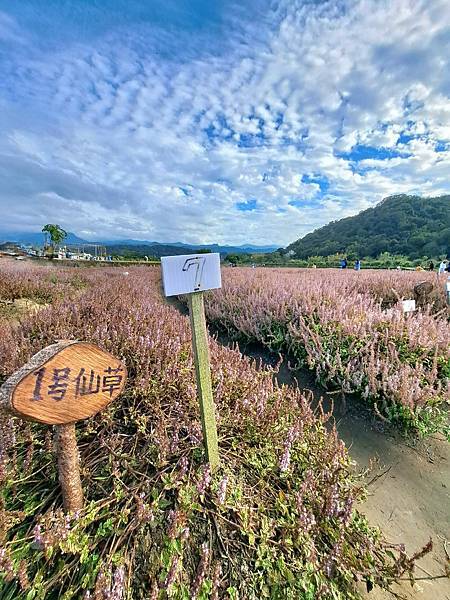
(350, 329)
(278, 519)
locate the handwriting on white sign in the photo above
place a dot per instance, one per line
(199, 263)
(190, 273)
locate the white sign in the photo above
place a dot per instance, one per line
(190, 273)
(409, 305)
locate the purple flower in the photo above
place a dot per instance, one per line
(222, 491)
(118, 586)
(332, 505)
(285, 459)
(173, 518)
(184, 464)
(204, 481)
(6, 564)
(201, 571)
(171, 575)
(38, 538)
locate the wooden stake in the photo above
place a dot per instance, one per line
(69, 467)
(203, 372)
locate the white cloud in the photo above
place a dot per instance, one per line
(109, 133)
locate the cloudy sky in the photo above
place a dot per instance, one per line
(218, 120)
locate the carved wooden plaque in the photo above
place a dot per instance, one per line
(64, 383)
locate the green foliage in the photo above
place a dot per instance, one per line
(401, 225)
(56, 233)
(235, 258)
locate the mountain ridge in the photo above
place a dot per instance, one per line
(38, 238)
(413, 226)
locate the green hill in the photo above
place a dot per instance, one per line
(409, 225)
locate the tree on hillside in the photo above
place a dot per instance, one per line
(234, 259)
(404, 225)
(56, 233)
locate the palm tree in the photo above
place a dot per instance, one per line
(56, 233)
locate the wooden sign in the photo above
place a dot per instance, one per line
(64, 383)
(190, 273)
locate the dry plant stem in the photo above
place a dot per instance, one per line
(69, 467)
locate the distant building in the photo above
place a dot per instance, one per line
(96, 253)
(11, 249)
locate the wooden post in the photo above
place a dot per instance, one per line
(193, 274)
(64, 383)
(203, 372)
(69, 467)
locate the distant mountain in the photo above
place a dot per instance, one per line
(157, 249)
(409, 225)
(151, 250)
(245, 249)
(139, 247)
(35, 239)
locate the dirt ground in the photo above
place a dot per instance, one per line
(409, 490)
(14, 309)
(409, 499)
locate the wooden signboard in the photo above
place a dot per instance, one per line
(192, 274)
(64, 383)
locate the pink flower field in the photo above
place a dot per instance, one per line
(349, 327)
(280, 517)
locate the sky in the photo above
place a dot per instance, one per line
(201, 121)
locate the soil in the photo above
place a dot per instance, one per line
(14, 309)
(409, 481)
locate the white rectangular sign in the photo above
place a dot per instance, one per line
(190, 273)
(409, 305)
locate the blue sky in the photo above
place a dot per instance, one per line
(218, 121)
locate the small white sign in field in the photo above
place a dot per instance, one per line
(409, 305)
(190, 273)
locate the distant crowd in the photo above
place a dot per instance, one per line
(444, 266)
(356, 266)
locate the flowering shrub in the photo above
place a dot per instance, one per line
(38, 283)
(277, 520)
(337, 323)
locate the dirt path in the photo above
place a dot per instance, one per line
(409, 489)
(409, 501)
(409, 497)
